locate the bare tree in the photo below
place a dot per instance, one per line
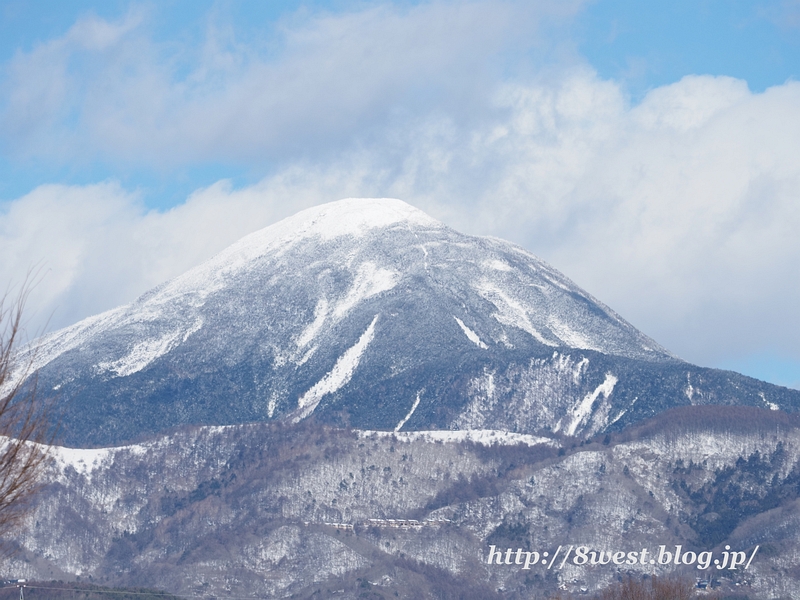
(25, 431)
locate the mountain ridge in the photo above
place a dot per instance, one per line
(279, 509)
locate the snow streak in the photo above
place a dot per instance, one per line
(473, 337)
(408, 416)
(582, 412)
(338, 376)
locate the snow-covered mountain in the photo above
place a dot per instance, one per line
(369, 313)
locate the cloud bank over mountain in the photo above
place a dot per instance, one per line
(678, 210)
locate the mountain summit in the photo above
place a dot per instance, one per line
(369, 313)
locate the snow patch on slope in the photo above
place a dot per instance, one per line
(570, 337)
(338, 376)
(770, 405)
(471, 335)
(408, 416)
(141, 355)
(320, 313)
(196, 326)
(509, 311)
(485, 437)
(370, 280)
(525, 397)
(144, 353)
(86, 461)
(498, 265)
(580, 414)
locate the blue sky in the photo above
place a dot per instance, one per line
(645, 149)
(649, 44)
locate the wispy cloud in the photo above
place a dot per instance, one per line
(108, 91)
(785, 14)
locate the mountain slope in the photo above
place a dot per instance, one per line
(370, 313)
(273, 510)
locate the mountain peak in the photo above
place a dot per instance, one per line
(353, 217)
(350, 216)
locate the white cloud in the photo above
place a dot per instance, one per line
(95, 247)
(680, 212)
(108, 91)
(701, 216)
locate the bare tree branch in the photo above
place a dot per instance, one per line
(25, 432)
